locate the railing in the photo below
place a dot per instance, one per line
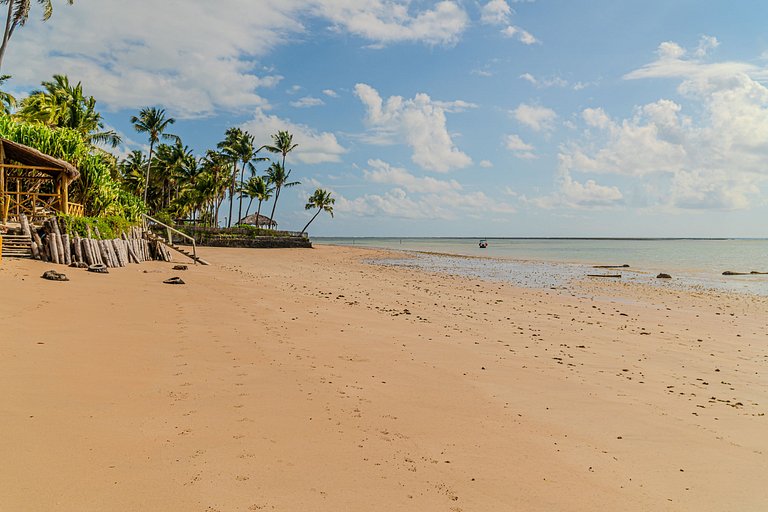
(76, 210)
(170, 231)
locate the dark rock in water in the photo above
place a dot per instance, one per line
(98, 268)
(52, 275)
(79, 264)
(758, 273)
(174, 280)
(180, 267)
(663, 276)
(732, 273)
(611, 266)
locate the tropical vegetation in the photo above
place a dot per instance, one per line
(167, 179)
(17, 16)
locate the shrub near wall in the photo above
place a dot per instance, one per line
(246, 236)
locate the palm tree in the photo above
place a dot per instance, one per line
(62, 105)
(279, 178)
(215, 167)
(170, 160)
(152, 120)
(7, 100)
(18, 13)
(256, 188)
(282, 142)
(132, 171)
(321, 200)
(232, 148)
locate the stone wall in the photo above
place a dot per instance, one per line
(258, 242)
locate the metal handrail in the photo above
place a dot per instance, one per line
(170, 230)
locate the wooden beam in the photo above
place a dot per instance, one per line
(65, 194)
(3, 199)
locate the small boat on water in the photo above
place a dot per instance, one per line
(483, 244)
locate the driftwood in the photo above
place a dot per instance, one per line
(752, 273)
(611, 266)
(604, 275)
(53, 246)
(67, 249)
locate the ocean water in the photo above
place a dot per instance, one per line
(555, 262)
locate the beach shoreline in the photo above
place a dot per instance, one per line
(297, 379)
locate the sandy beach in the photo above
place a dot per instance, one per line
(297, 380)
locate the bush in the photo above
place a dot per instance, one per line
(108, 227)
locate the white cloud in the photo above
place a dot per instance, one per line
(330, 93)
(552, 81)
(414, 197)
(575, 195)
(520, 148)
(313, 147)
(706, 44)
(486, 164)
(496, 12)
(397, 203)
(385, 22)
(203, 61)
(382, 172)
(520, 34)
(420, 122)
(710, 158)
(539, 119)
(307, 101)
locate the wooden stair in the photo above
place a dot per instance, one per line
(153, 237)
(17, 246)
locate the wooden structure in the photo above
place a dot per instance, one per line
(34, 184)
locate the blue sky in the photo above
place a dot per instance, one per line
(450, 118)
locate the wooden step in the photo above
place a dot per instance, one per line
(176, 248)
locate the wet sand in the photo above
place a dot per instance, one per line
(309, 380)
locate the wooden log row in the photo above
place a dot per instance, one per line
(59, 248)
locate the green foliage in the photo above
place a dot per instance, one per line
(96, 189)
(108, 226)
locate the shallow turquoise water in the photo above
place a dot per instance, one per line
(552, 261)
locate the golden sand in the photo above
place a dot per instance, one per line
(308, 380)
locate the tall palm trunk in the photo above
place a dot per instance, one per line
(258, 213)
(149, 165)
(7, 32)
(310, 220)
(240, 208)
(250, 202)
(274, 205)
(232, 194)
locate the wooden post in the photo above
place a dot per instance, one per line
(64, 194)
(67, 248)
(3, 198)
(52, 247)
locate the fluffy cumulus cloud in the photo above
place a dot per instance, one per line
(197, 58)
(537, 118)
(414, 197)
(382, 172)
(705, 150)
(383, 22)
(420, 122)
(519, 148)
(498, 12)
(313, 148)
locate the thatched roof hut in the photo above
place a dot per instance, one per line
(260, 221)
(33, 183)
(30, 157)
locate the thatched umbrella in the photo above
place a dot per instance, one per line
(260, 221)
